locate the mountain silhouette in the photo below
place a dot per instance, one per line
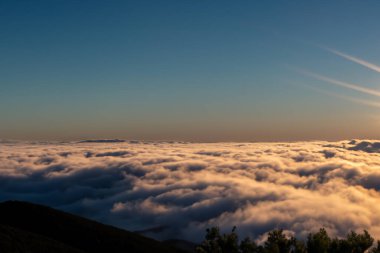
(32, 228)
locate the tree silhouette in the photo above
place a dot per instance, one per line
(248, 246)
(318, 242)
(297, 246)
(359, 243)
(211, 244)
(278, 242)
(376, 249)
(216, 243)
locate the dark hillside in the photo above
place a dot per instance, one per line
(16, 240)
(47, 227)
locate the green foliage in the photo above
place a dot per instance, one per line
(278, 242)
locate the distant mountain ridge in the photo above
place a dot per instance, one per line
(32, 228)
(102, 141)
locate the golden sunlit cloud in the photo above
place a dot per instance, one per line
(184, 188)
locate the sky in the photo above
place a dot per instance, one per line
(189, 70)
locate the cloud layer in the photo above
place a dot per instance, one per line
(176, 190)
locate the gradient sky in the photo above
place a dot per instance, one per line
(189, 70)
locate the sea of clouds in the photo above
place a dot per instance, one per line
(176, 190)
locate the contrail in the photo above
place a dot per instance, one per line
(359, 101)
(351, 86)
(354, 59)
(352, 99)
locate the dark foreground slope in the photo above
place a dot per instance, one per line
(26, 227)
(16, 240)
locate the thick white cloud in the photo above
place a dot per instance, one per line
(176, 190)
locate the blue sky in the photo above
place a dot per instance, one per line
(187, 70)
